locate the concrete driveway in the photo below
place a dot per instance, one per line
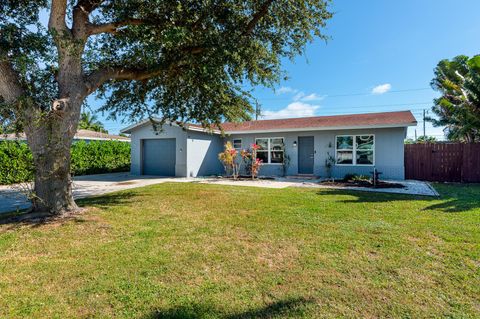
(11, 199)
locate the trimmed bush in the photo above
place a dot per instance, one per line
(16, 162)
(98, 157)
(94, 157)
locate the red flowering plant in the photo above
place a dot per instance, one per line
(256, 162)
(229, 160)
(256, 167)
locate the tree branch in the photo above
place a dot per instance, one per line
(87, 6)
(99, 77)
(95, 79)
(10, 88)
(57, 15)
(257, 17)
(113, 26)
(81, 11)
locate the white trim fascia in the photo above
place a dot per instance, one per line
(325, 128)
(129, 129)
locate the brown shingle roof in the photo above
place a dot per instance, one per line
(87, 134)
(385, 119)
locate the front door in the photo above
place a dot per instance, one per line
(305, 154)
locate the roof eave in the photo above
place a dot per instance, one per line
(324, 128)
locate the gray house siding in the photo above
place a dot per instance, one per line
(202, 154)
(147, 132)
(388, 152)
(197, 152)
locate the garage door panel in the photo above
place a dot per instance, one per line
(159, 157)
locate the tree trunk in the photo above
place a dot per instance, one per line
(50, 138)
(53, 182)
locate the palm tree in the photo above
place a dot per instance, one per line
(458, 108)
(90, 122)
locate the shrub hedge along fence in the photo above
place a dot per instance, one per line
(93, 157)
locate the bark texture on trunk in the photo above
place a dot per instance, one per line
(53, 183)
(50, 137)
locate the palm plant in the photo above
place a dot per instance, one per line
(90, 121)
(458, 109)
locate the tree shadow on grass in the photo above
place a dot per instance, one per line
(371, 197)
(453, 198)
(109, 200)
(456, 198)
(280, 309)
(34, 219)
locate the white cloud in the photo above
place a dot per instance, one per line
(298, 96)
(311, 97)
(286, 89)
(382, 88)
(295, 109)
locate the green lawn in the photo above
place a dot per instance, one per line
(206, 251)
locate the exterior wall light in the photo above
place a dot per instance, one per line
(294, 143)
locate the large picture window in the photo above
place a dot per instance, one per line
(355, 150)
(271, 150)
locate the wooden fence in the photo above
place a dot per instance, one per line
(449, 162)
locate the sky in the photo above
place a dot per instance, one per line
(380, 58)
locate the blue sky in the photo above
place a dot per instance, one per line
(380, 57)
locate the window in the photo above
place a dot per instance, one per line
(355, 150)
(271, 150)
(237, 143)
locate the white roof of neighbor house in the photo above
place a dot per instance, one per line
(349, 121)
(81, 135)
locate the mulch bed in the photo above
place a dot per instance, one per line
(361, 183)
(247, 178)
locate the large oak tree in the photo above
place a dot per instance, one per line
(186, 60)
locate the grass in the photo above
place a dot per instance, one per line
(187, 250)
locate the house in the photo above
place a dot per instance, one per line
(82, 135)
(354, 144)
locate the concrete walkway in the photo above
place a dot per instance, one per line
(411, 187)
(12, 199)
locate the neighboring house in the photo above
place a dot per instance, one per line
(357, 143)
(82, 135)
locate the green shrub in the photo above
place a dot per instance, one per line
(355, 177)
(16, 162)
(94, 157)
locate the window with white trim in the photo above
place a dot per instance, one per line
(355, 149)
(237, 143)
(271, 150)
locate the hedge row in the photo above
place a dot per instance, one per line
(94, 157)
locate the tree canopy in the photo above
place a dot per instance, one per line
(181, 60)
(458, 108)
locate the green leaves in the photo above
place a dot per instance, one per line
(93, 157)
(209, 55)
(89, 121)
(459, 106)
(474, 63)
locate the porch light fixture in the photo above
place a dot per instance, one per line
(294, 143)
